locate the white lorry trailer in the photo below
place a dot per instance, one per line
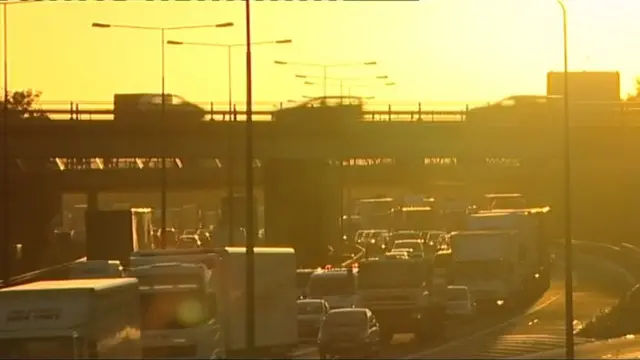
(533, 253)
(71, 319)
(276, 332)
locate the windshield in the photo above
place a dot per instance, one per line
(310, 308)
(408, 244)
(391, 274)
(37, 348)
(457, 294)
(173, 309)
(320, 286)
(484, 270)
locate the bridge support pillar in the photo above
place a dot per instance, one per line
(303, 207)
(35, 204)
(92, 200)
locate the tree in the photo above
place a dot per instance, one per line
(24, 102)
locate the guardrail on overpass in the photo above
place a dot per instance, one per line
(397, 111)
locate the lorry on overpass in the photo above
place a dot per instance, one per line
(400, 294)
(532, 261)
(71, 319)
(221, 299)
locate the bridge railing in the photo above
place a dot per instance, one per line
(262, 111)
(612, 112)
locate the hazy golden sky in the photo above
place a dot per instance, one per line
(438, 51)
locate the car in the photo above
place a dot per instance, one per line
(311, 313)
(460, 303)
(349, 331)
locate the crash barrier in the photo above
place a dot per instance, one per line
(60, 271)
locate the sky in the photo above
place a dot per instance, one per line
(438, 52)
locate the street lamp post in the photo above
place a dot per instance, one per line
(325, 68)
(6, 208)
(162, 31)
(568, 233)
(341, 80)
(250, 270)
(230, 160)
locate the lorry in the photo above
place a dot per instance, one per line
(491, 264)
(114, 234)
(400, 294)
(222, 273)
(71, 319)
(532, 261)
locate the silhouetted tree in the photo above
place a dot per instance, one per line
(24, 104)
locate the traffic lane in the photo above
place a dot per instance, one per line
(403, 345)
(539, 329)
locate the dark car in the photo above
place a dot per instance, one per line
(349, 331)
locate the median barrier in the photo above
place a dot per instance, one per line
(56, 272)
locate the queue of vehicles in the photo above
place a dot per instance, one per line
(191, 303)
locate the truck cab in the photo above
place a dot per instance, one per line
(397, 291)
(178, 311)
(336, 286)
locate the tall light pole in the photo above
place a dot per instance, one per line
(341, 80)
(6, 159)
(162, 31)
(325, 68)
(568, 233)
(230, 157)
(251, 236)
(6, 250)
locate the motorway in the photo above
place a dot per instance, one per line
(539, 328)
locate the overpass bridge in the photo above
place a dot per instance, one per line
(88, 153)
